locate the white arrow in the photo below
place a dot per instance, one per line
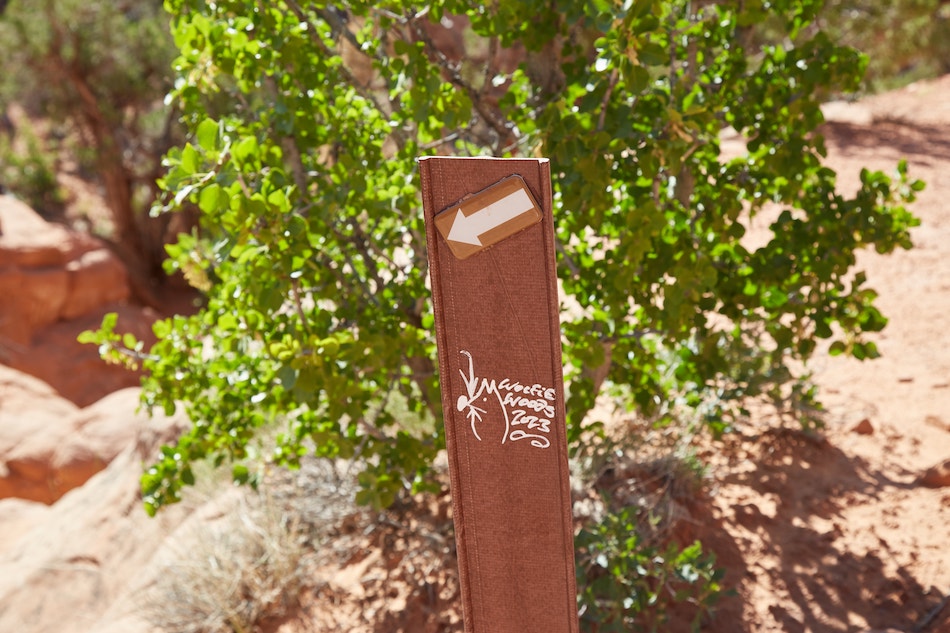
(467, 229)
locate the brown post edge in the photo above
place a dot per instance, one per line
(498, 334)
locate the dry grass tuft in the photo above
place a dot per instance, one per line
(247, 565)
(250, 558)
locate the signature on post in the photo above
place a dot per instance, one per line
(528, 409)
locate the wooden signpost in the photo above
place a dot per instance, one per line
(490, 235)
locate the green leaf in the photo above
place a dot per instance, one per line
(211, 198)
(207, 135)
(88, 336)
(246, 151)
(837, 348)
(240, 474)
(190, 161)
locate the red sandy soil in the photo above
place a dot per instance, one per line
(838, 532)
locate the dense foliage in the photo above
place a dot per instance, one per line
(316, 332)
(626, 585)
(307, 121)
(904, 40)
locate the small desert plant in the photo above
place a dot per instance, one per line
(633, 573)
(627, 585)
(29, 172)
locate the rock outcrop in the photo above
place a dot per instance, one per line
(937, 476)
(64, 567)
(49, 273)
(48, 446)
(54, 284)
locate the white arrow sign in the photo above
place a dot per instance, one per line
(481, 220)
(467, 229)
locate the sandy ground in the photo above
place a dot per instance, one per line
(837, 533)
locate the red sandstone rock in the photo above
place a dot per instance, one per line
(96, 278)
(29, 241)
(76, 371)
(54, 284)
(19, 517)
(937, 476)
(49, 273)
(48, 447)
(74, 567)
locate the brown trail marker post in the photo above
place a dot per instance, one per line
(490, 235)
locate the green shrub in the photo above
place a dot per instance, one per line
(99, 71)
(627, 585)
(306, 126)
(30, 174)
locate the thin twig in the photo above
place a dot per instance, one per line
(295, 292)
(611, 84)
(566, 258)
(931, 617)
(501, 128)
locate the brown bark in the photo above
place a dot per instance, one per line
(129, 240)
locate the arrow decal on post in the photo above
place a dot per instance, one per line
(466, 229)
(482, 220)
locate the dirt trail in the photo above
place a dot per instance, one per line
(838, 533)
